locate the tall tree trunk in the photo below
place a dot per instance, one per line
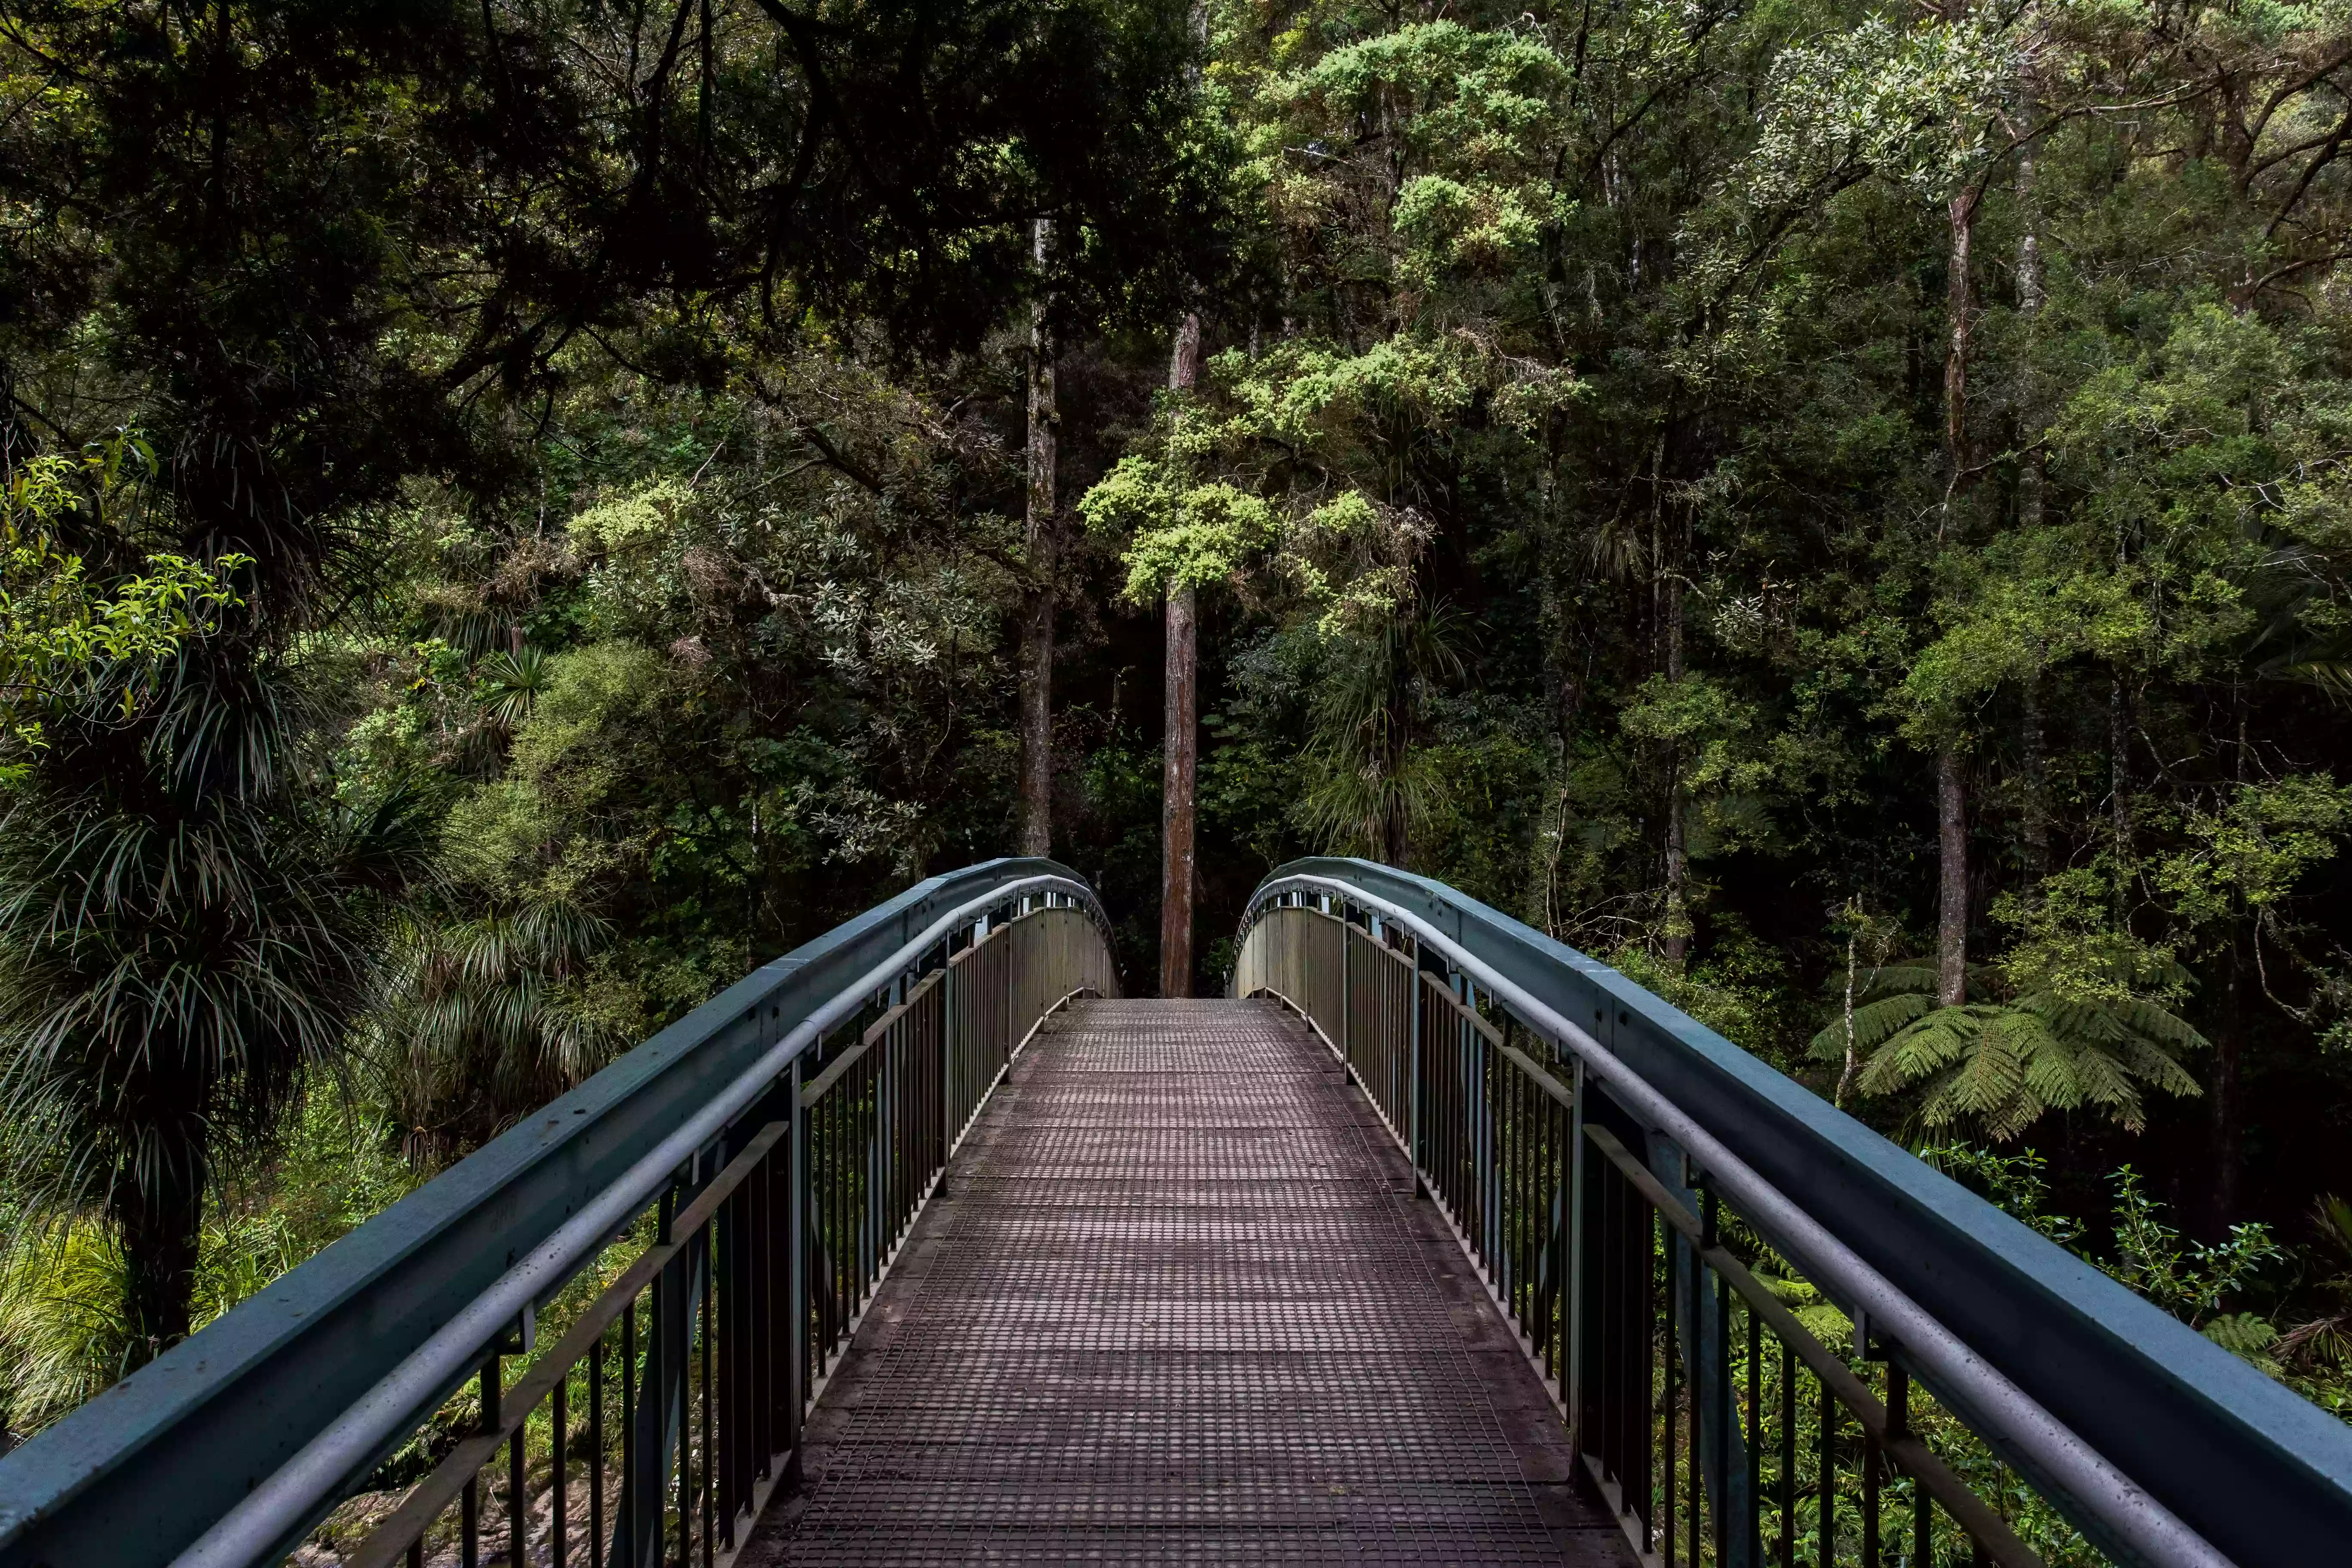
(1037, 622)
(1181, 760)
(1952, 900)
(1960, 302)
(1853, 971)
(2030, 297)
(160, 1218)
(1951, 798)
(1180, 743)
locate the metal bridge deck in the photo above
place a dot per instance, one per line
(1176, 1302)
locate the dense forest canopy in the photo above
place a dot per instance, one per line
(518, 514)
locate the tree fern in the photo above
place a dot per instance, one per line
(1998, 1065)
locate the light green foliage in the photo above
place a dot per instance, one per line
(1739, 990)
(55, 623)
(2027, 603)
(1291, 469)
(2193, 1280)
(2190, 1279)
(547, 828)
(1730, 765)
(1183, 536)
(1907, 102)
(2250, 852)
(2068, 946)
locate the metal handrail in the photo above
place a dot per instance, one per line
(2161, 1446)
(229, 1448)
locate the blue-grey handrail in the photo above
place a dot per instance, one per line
(2261, 1475)
(148, 1466)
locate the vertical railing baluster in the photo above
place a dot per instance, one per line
(596, 1453)
(1727, 1514)
(518, 1496)
(1825, 1479)
(1752, 1506)
(628, 1550)
(558, 1453)
(1573, 1239)
(709, 1448)
(1667, 1354)
(1788, 1456)
(796, 1267)
(1695, 1474)
(1870, 1455)
(492, 1419)
(1413, 1115)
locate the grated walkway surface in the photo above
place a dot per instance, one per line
(1176, 1303)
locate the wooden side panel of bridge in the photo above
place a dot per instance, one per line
(1176, 1302)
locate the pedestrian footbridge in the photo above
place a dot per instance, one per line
(1434, 1242)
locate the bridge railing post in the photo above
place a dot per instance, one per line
(1413, 1010)
(1570, 1269)
(796, 1283)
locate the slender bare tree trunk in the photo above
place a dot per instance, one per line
(1952, 900)
(2030, 297)
(1951, 797)
(1960, 297)
(1678, 921)
(2030, 293)
(1038, 621)
(1853, 1058)
(1180, 743)
(1176, 814)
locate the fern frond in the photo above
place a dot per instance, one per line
(1994, 1073)
(1908, 976)
(1872, 1024)
(2159, 1025)
(2157, 1067)
(1913, 1052)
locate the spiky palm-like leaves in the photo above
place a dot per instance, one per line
(2000, 1065)
(2326, 1341)
(184, 929)
(511, 682)
(478, 1022)
(1367, 785)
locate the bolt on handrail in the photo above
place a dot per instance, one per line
(773, 1211)
(1463, 1027)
